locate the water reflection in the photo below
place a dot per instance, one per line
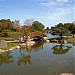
(38, 61)
(61, 49)
(5, 58)
(28, 48)
(37, 46)
(24, 56)
(24, 60)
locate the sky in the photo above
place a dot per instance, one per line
(48, 12)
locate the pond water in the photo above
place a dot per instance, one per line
(51, 36)
(40, 59)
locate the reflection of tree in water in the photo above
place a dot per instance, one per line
(23, 59)
(37, 46)
(5, 58)
(61, 49)
(28, 48)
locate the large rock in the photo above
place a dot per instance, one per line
(45, 38)
(47, 41)
(65, 41)
(3, 44)
(22, 45)
(65, 74)
(1, 51)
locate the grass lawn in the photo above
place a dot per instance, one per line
(9, 45)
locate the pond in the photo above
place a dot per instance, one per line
(40, 59)
(51, 36)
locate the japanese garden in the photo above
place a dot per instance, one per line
(33, 45)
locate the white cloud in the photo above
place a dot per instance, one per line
(60, 13)
(63, 1)
(54, 2)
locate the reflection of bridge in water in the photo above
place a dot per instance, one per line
(37, 46)
(33, 48)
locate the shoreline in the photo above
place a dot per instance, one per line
(17, 45)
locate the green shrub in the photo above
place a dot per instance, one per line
(5, 34)
(44, 35)
(14, 33)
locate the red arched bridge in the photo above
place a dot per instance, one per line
(36, 35)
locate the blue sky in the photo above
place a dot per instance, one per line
(48, 12)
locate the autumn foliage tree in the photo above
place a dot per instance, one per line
(6, 24)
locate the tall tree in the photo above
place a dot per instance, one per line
(5, 24)
(64, 29)
(25, 30)
(16, 26)
(37, 26)
(28, 22)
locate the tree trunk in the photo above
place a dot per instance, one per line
(61, 35)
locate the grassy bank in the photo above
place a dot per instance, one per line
(71, 40)
(7, 38)
(10, 45)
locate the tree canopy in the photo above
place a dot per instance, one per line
(37, 26)
(63, 29)
(6, 24)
